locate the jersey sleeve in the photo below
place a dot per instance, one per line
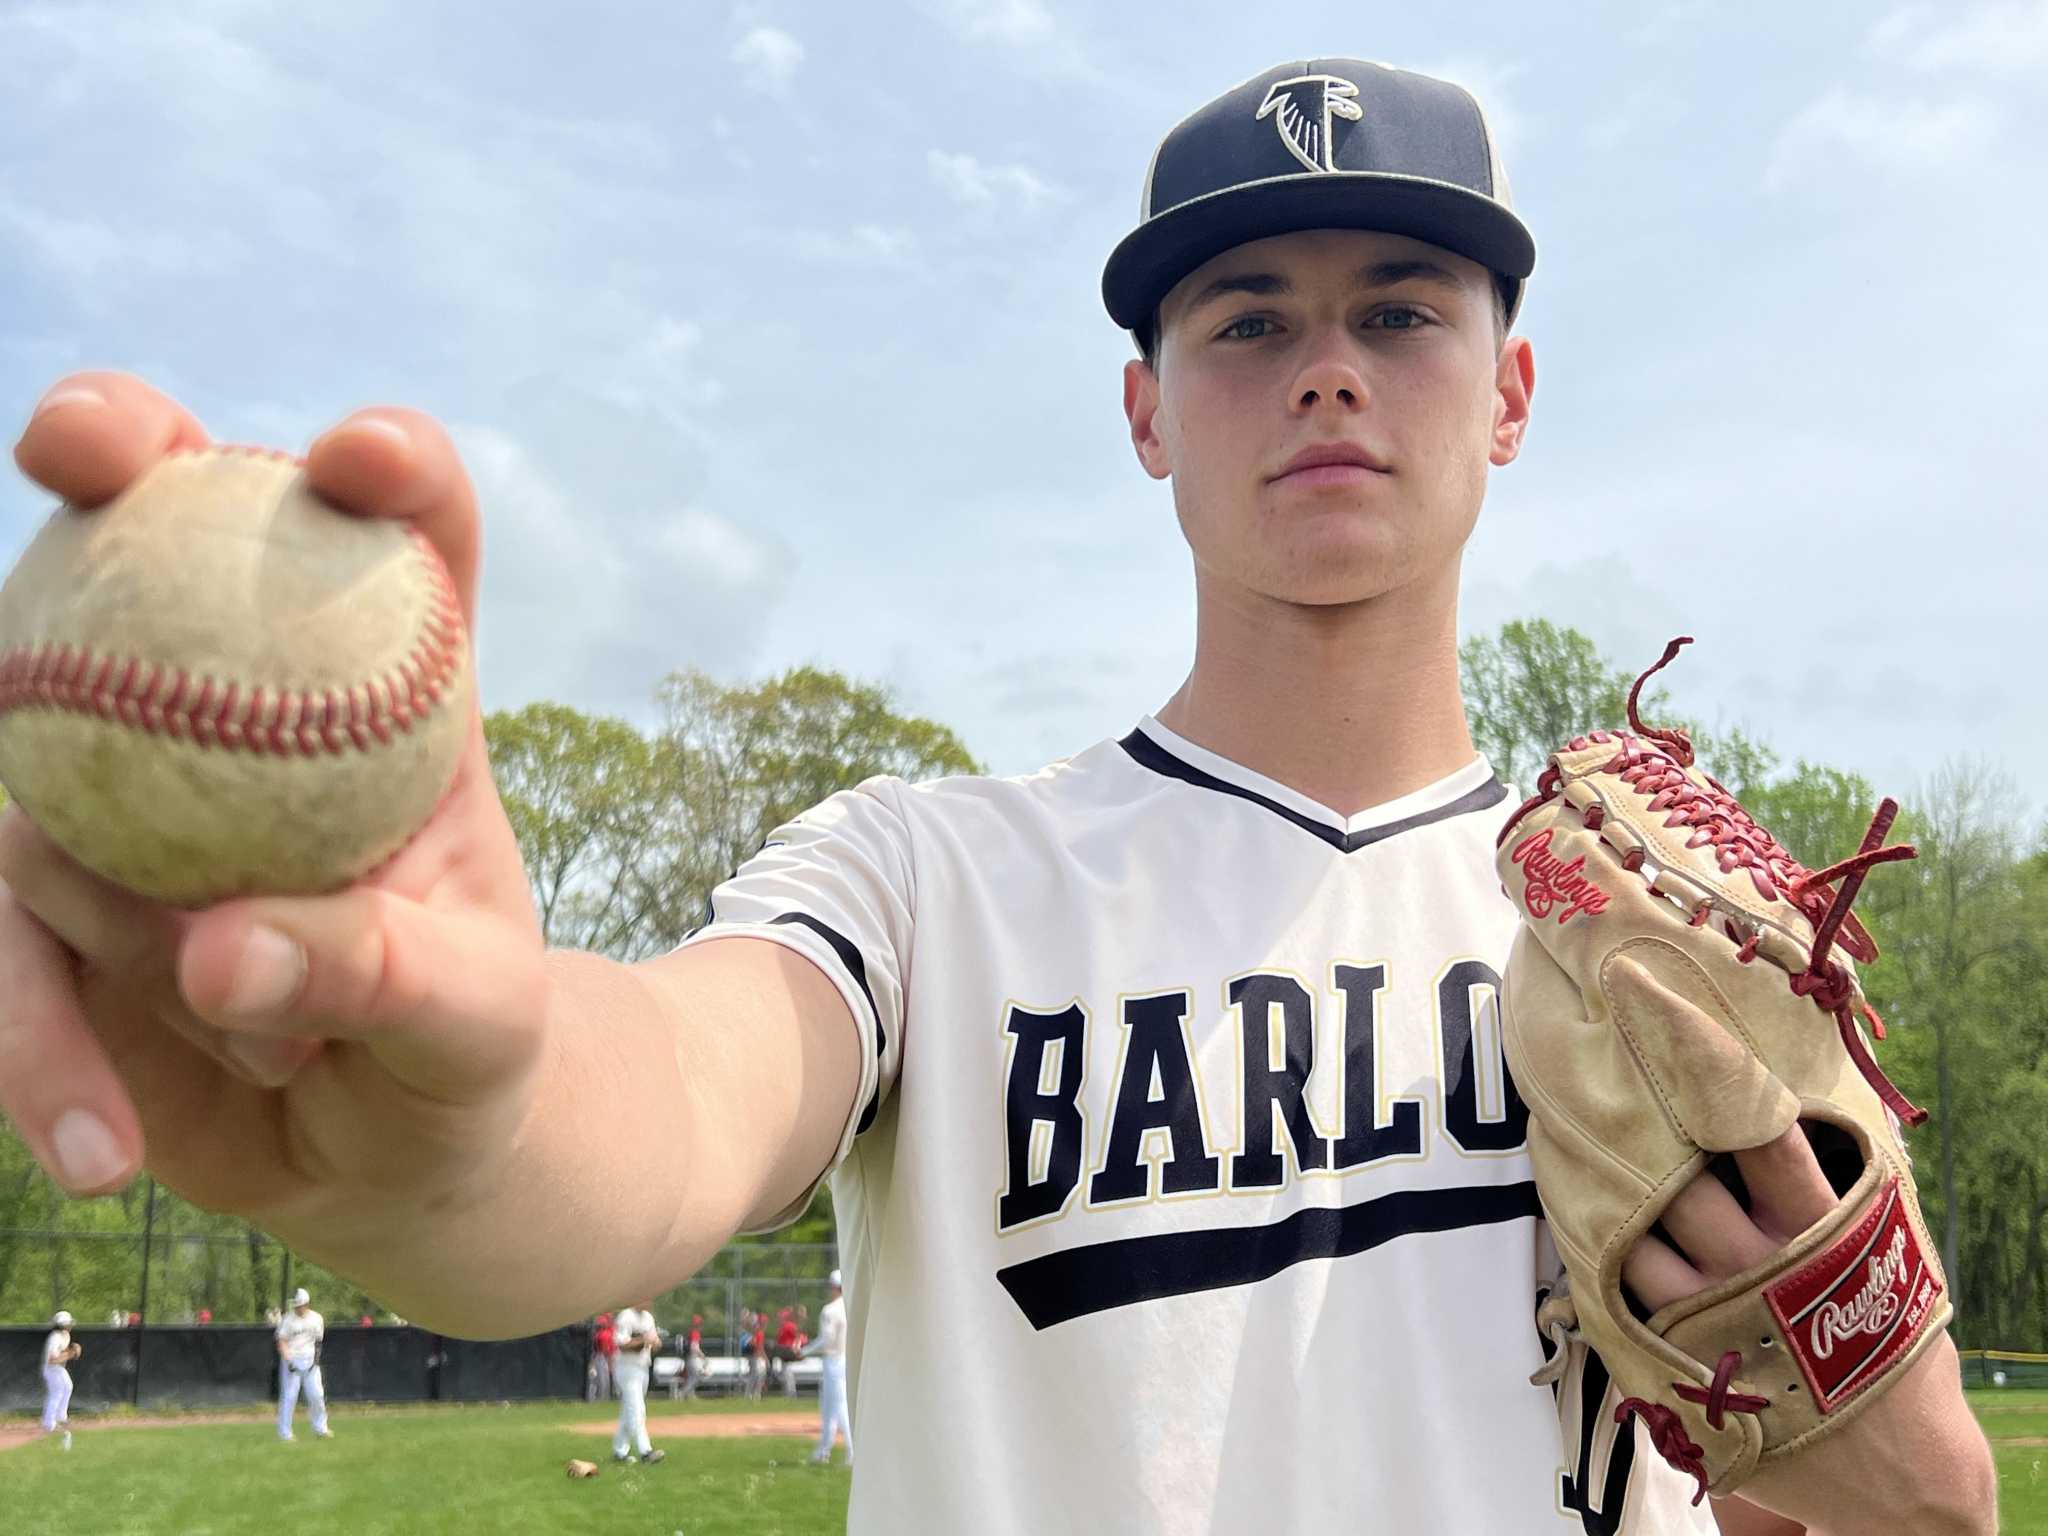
(836, 885)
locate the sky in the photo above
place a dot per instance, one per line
(771, 332)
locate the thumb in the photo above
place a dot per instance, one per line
(1719, 1091)
(450, 1001)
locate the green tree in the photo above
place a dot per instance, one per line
(593, 804)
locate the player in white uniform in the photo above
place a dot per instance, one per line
(59, 1350)
(830, 1345)
(638, 1339)
(1169, 1076)
(299, 1335)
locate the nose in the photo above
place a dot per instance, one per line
(1330, 375)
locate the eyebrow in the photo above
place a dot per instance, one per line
(1379, 274)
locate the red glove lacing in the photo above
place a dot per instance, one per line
(1654, 766)
(1667, 1430)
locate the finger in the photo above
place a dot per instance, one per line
(388, 461)
(440, 997)
(93, 433)
(1713, 1231)
(1658, 1274)
(1788, 1191)
(105, 924)
(56, 1083)
(120, 933)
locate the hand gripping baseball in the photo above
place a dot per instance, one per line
(1677, 1004)
(322, 1063)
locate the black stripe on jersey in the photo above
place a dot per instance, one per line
(849, 957)
(1600, 1512)
(1078, 1282)
(1148, 753)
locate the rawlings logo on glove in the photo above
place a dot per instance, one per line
(1679, 993)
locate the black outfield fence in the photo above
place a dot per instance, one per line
(224, 1365)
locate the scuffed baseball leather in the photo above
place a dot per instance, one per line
(1663, 1003)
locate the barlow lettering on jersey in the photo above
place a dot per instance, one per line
(1183, 1098)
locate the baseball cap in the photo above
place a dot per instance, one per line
(1321, 144)
(62, 1319)
(300, 1298)
(833, 1279)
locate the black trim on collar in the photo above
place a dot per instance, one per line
(1148, 753)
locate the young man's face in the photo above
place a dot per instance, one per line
(1376, 344)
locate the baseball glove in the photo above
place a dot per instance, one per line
(1676, 993)
(578, 1468)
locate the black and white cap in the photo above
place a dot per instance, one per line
(1321, 144)
(300, 1298)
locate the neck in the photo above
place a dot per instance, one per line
(1352, 705)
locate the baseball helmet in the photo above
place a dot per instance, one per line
(1321, 144)
(62, 1319)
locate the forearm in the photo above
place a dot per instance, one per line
(1920, 1465)
(606, 1188)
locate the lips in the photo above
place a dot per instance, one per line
(1328, 455)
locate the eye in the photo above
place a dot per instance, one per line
(1400, 317)
(1237, 330)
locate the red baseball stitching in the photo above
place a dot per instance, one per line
(279, 722)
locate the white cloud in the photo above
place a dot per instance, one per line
(2006, 38)
(872, 245)
(1006, 21)
(966, 180)
(1897, 136)
(772, 52)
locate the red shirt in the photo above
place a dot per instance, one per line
(786, 1337)
(606, 1345)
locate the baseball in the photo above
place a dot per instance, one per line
(220, 685)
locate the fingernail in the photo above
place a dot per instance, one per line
(384, 427)
(67, 395)
(265, 1060)
(87, 1155)
(269, 974)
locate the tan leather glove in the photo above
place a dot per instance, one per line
(1678, 991)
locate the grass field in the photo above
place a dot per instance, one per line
(499, 1470)
(448, 1470)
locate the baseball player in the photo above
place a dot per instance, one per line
(831, 1345)
(299, 1336)
(693, 1357)
(637, 1339)
(1170, 1074)
(59, 1350)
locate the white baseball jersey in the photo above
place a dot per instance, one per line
(832, 1330)
(624, 1325)
(1183, 1117)
(55, 1345)
(301, 1336)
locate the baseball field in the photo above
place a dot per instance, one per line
(732, 1468)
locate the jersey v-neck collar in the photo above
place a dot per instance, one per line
(1472, 788)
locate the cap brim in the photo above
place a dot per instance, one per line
(1143, 269)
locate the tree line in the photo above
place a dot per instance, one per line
(625, 832)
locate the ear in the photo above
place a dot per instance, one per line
(1514, 384)
(1141, 410)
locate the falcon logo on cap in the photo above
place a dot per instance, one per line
(1303, 109)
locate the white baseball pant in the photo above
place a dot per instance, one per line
(291, 1381)
(832, 1413)
(56, 1397)
(632, 1431)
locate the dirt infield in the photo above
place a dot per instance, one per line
(712, 1426)
(708, 1426)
